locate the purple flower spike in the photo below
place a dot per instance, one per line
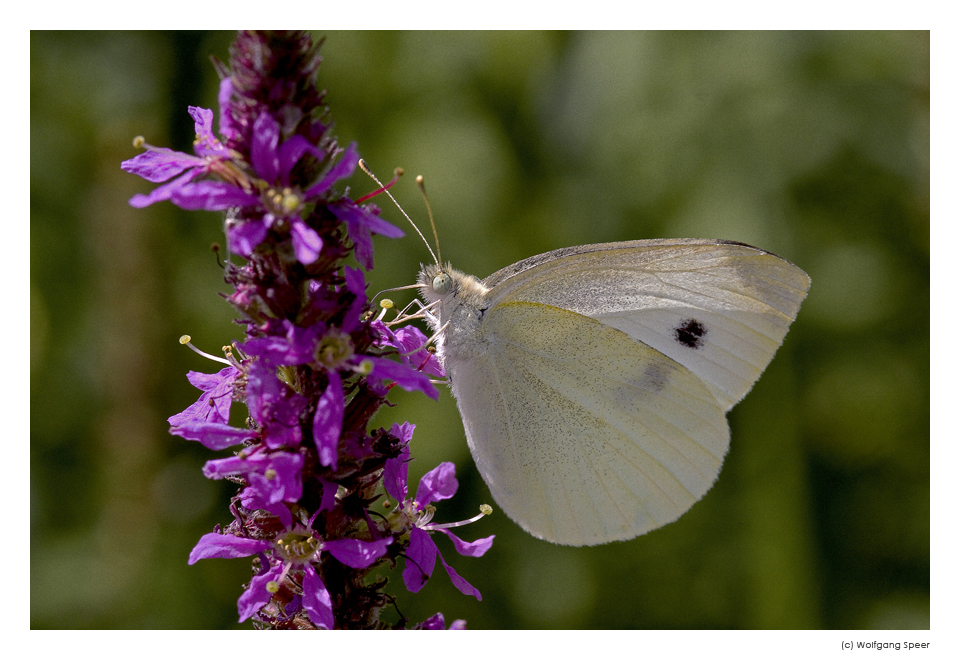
(312, 366)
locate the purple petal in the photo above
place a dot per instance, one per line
(475, 549)
(263, 147)
(253, 500)
(344, 168)
(256, 595)
(329, 497)
(306, 242)
(296, 346)
(206, 143)
(316, 599)
(207, 382)
(376, 224)
(461, 584)
(212, 435)
(360, 222)
(263, 388)
(364, 216)
(225, 546)
(385, 336)
(403, 431)
(437, 484)
(407, 378)
(328, 421)
(202, 122)
(277, 477)
(200, 411)
(244, 237)
(362, 242)
(356, 285)
(274, 405)
(281, 482)
(214, 404)
(421, 557)
(436, 622)
(220, 468)
(227, 127)
(159, 164)
(356, 553)
(433, 623)
(412, 341)
(395, 469)
(164, 192)
(355, 281)
(283, 428)
(211, 196)
(274, 350)
(291, 151)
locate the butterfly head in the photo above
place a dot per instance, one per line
(444, 284)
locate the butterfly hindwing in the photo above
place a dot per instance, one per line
(584, 434)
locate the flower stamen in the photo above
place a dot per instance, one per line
(485, 510)
(334, 349)
(298, 546)
(185, 340)
(385, 304)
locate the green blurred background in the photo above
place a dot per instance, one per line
(814, 146)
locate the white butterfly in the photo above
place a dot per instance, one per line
(593, 381)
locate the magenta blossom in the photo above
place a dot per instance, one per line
(273, 478)
(331, 349)
(294, 552)
(273, 406)
(422, 553)
(217, 180)
(411, 344)
(158, 164)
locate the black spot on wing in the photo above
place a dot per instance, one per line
(690, 333)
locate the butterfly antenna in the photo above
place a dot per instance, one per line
(399, 172)
(433, 225)
(396, 288)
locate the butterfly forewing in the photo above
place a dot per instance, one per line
(721, 309)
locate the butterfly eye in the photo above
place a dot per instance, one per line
(442, 283)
